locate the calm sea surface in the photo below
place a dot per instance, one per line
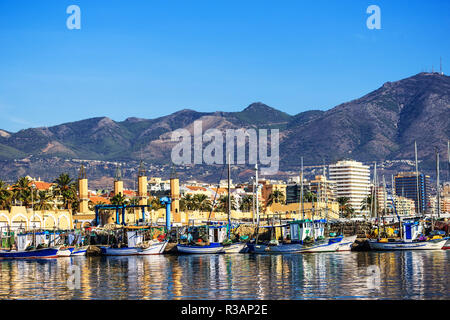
(346, 275)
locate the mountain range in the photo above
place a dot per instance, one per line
(380, 125)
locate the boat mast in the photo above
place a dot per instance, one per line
(417, 180)
(229, 197)
(326, 193)
(438, 187)
(375, 198)
(301, 192)
(385, 204)
(256, 190)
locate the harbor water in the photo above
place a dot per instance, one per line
(339, 275)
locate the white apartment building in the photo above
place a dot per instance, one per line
(353, 181)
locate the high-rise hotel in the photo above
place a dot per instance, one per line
(415, 187)
(353, 181)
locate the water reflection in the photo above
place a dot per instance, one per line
(402, 275)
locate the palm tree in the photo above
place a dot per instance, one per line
(276, 196)
(45, 199)
(155, 203)
(309, 196)
(246, 203)
(366, 204)
(22, 191)
(222, 205)
(118, 200)
(134, 201)
(187, 202)
(345, 207)
(66, 188)
(201, 202)
(5, 196)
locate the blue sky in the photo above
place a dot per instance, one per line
(151, 58)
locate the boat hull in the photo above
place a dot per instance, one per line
(257, 248)
(156, 248)
(210, 249)
(32, 254)
(285, 248)
(400, 245)
(346, 243)
(325, 247)
(235, 248)
(79, 252)
(446, 245)
(65, 252)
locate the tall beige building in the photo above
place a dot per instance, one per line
(353, 181)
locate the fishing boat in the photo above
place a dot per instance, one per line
(29, 254)
(136, 245)
(199, 249)
(153, 247)
(412, 240)
(25, 249)
(206, 239)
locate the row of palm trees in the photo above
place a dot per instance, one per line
(62, 196)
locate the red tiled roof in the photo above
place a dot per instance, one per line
(129, 193)
(41, 185)
(196, 188)
(97, 199)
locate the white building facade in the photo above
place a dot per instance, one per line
(353, 181)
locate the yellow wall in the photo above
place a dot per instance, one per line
(49, 219)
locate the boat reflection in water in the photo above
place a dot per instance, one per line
(402, 275)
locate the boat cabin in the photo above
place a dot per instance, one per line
(300, 229)
(217, 233)
(411, 230)
(319, 228)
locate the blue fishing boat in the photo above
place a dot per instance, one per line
(29, 254)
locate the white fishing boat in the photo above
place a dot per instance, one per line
(136, 246)
(346, 243)
(154, 247)
(435, 244)
(411, 241)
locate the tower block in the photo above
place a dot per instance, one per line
(142, 186)
(83, 191)
(175, 195)
(118, 183)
